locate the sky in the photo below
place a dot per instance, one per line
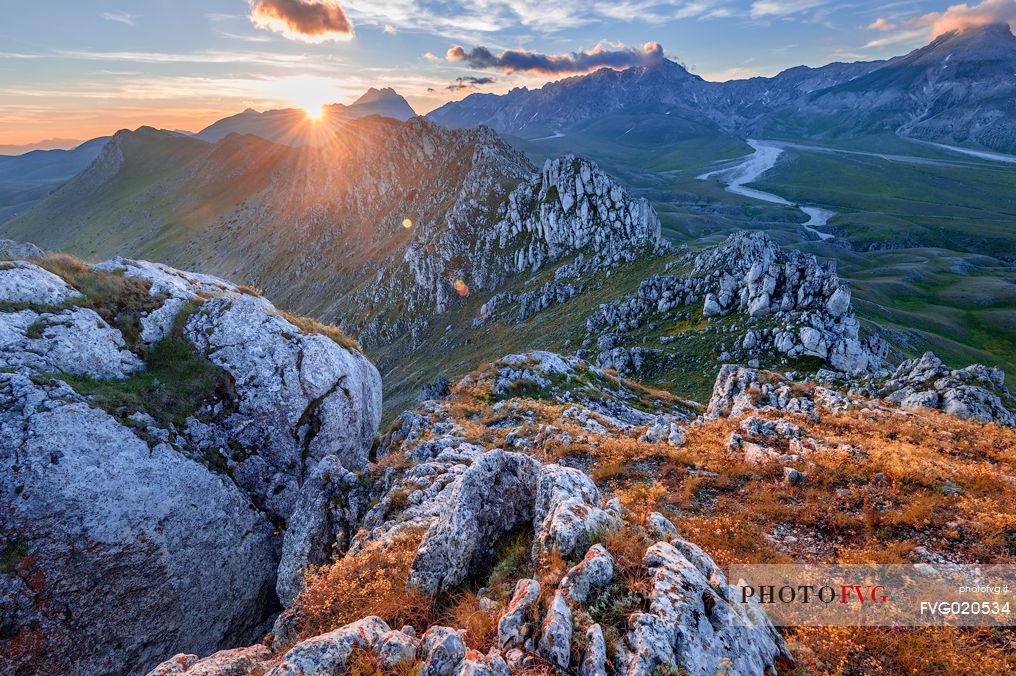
(85, 68)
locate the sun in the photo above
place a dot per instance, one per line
(310, 94)
(314, 113)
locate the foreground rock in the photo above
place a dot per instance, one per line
(975, 392)
(494, 496)
(12, 249)
(693, 621)
(142, 513)
(332, 501)
(119, 543)
(458, 499)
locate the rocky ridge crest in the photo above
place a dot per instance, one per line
(775, 302)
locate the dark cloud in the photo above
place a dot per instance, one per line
(308, 20)
(515, 60)
(470, 82)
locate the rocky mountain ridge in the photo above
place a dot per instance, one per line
(421, 213)
(792, 305)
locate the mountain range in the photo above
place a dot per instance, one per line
(957, 89)
(504, 390)
(27, 177)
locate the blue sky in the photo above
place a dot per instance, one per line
(81, 69)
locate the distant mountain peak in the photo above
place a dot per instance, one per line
(975, 39)
(373, 94)
(994, 30)
(290, 126)
(385, 102)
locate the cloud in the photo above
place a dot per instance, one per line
(304, 20)
(520, 60)
(963, 16)
(119, 17)
(916, 36)
(390, 29)
(881, 24)
(470, 83)
(432, 57)
(777, 8)
(954, 18)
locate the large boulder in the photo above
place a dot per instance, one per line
(976, 392)
(74, 341)
(123, 552)
(330, 653)
(12, 249)
(567, 512)
(300, 396)
(442, 650)
(234, 662)
(556, 633)
(593, 572)
(514, 625)
(493, 497)
(24, 282)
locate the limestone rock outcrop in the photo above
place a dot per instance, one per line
(770, 300)
(132, 545)
(694, 623)
(976, 391)
(143, 513)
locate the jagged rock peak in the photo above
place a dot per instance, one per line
(507, 217)
(777, 302)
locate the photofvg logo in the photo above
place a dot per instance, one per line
(879, 595)
(806, 593)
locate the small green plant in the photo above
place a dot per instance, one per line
(11, 555)
(35, 329)
(175, 384)
(511, 563)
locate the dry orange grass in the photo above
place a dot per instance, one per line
(373, 582)
(872, 499)
(466, 613)
(369, 582)
(941, 651)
